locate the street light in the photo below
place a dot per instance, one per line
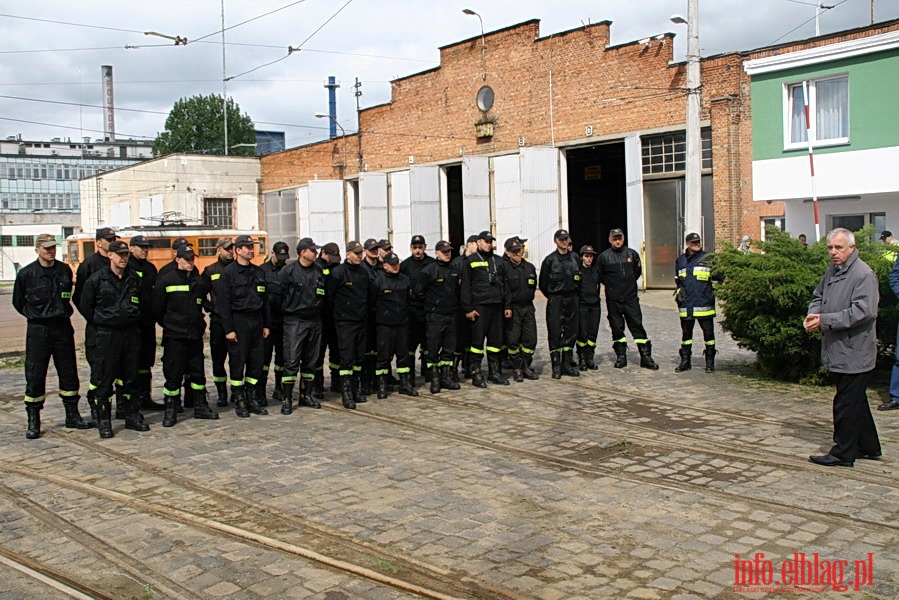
(346, 199)
(468, 11)
(693, 196)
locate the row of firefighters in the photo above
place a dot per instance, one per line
(362, 312)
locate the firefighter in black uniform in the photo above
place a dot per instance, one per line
(588, 310)
(243, 309)
(303, 295)
(462, 356)
(560, 275)
(485, 301)
(173, 264)
(218, 346)
(348, 290)
(411, 267)
(619, 269)
(437, 288)
(178, 300)
(43, 295)
(389, 298)
(110, 301)
(274, 343)
(696, 301)
(372, 265)
(137, 262)
(521, 330)
(328, 258)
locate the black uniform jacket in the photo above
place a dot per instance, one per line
(588, 294)
(483, 282)
(147, 272)
(412, 268)
(93, 263)
(389, 296)
(178, 300)
(302, 290)
(347, 287)
(437, 288)
(112, 301)
(273, 289)
(522, 281)
(560, 274)
(211, 274)
(241, 289)
(43, 293)
(619, 271)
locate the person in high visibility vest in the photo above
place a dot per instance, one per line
(696, 301)
(890, 247)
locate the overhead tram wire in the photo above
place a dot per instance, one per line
(806, 22)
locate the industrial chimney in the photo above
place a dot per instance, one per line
(108, 107)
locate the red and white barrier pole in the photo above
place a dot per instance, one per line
(811, 158)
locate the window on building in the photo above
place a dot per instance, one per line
(217, 212)
(854, 222)
(25, 241)
(667, 153)
(828, 103)
(6, 240)
(208, 246)
(779, 222)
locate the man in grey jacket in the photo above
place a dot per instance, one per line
(844, 310)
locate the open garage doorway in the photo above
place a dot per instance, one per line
(597, 200)
(455, 215)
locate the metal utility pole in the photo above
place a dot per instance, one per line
(224, 81)
(693, 196)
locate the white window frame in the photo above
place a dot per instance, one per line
(813, 114)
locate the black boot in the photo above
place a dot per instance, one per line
(144, 389)
(407, 388)
(589, 355)
(104, 417)
(454, 369)
(253, 393)
(33, 409)
(446, 378)
(494, 371)
(555, 357)
(259, 393)
(646, 361)
(239, 395)
(365, 377)
(346, 385)
(92, 405)
(318, 385)
(120, 411)
(187, 396)
(474, 371)
(359, 396)
(686, 355)
(73, 417)
(202, 410)
(567, 368)
(527, 371)
(382, 387)
(335, 381)
(279, 386)
(465, 361)
(221, 388)
(435, 380)
(304, 397)
(620, 354)
(581, 359)
(287, 397)
(710, 353)
(170, 416)
(133, 419)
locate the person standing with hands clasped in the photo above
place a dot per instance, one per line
(560, 276)
(695, 301)
(844, 310)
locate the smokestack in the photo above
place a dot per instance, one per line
(108, 107)
(332, 86)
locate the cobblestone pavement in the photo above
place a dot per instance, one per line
(619, 483)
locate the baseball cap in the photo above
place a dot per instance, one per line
(587, 249)
(471, 238)
(418, 239)
(45, 240)
(118, 247)
(178, 242)
(616, 232)
(692, 237)
(384, 244)
(486, 236)
(444, 246)
(371, 244)
(244, 240)
(331, 249)
(353, 246)
(307, 244)
(224, 242)
(886, 233)
(561, 234)
(185, 252)
(391, 259)
(106, 233)
(514, 243)
(281, 250)
(139, 240)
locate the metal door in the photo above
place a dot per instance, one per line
(476, 193)
(326, 211)
(373, 220)
(424, 189)
(663, 217)
(539, 200)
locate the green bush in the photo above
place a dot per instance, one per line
(765, 298)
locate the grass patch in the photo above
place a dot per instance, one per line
(384, 564)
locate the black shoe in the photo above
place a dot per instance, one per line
(477, 380)
(829, 460)
(136, 423)
(869, 455)
(891, 405)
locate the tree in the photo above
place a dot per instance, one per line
(196, 125)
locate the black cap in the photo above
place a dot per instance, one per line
(119, 247)
(418, 239)
(471, 238)
(561, 234)
(354, 246)
(106, 233)
(139, 240)
(692, 237)
(514, 243)
(391, 259)
(587, 249)
(224, 242)
(486, 236)
(307, 244)
(444, 246)
(178, 242)
(244, 240)
(886, 233)
(616, 232)
(384, 244)
(185, 252)
(371, 244)
(281, 251)
(331, 249)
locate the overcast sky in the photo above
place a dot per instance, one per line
(51, 51)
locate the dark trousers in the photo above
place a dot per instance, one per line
(620, 312)
(273, 345)
(329, 345)
(44, 341)
(182, 358)
(706, 324)
(521, 330)
(441, 339)
(90, 344)
(147, 347)
(853, 425)
(488, 326)
(417, 336)
(463, 334)
(245, 355)
(352, 345)
(561, 322)
(588, 325)
(116, 357)
(218, 351)
(393, 340)
(302, 346)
